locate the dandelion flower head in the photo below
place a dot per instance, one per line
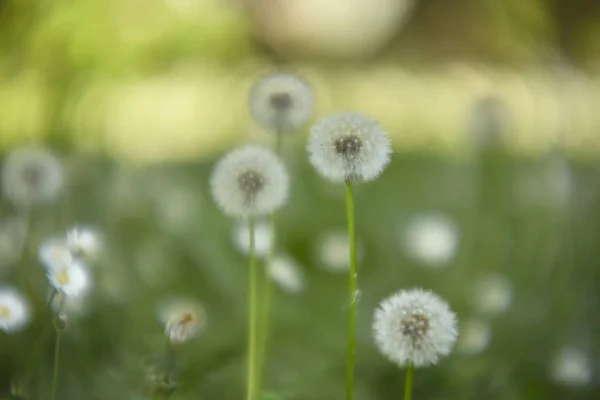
(348, 147)
(475, 336)
(431, 240)
(31, 176)
(14, 310)
(184, 319)
(250, 181)
(414, 327)
(287, 274)
(281, 102)
(493, 294)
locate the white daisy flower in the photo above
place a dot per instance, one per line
(184, 319)
(333, 251)
(250, 181)
(263, 237)
(493, 294)
(14, 310)
(414, 327)
(73, 281)
(84, 242)
(475, 336)
(348, 147)
(287, 274)
(281, 102)
(31, 176)
(431, 240)
(571, 367)
(55, 254)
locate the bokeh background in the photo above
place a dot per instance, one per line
(495, 211)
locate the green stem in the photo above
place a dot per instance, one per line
(352, 293)
(56, 356)
(408, 382)
(253, 316)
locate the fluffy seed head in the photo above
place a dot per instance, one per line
(287, 274)
(249, 181)
(31, 176)
(414, 326)
(281, 102)
(492, 295)
(184, 319)
(348, 147)
(432, 240)
(14, 310)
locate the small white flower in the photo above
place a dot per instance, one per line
(348, 147)
(475, 336)
(31, 176)
(571, 367)
(493, 294)
(184, 319)
(281, 102)
(333, 251)
(287, 274)
(84, 242)
(73, 281)
(55, 254)
(263, 237)
(432, 240)
(14, 310)
(250, 181)
(416, 327)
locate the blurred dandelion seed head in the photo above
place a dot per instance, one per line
(475, 337)
(432, 240)
(32, 176)
(333, 251)
(572, 367)
(250, 181)
(348, 147)
(14, 310)
(414, 326)
(184, 319)
(493, 294)
(287, 274)
(281, 102)
(263, 237)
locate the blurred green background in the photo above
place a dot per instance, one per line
(140, 97)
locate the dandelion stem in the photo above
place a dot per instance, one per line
(55, 372)
(408, 382)
(352, 287)
(253, 317)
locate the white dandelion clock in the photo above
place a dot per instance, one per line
(414, 327)
(348, 148)
(32, 176)
(281, 102)
(571, 367)
(55, 254)
(333, 251)
(84, 242)
(263, 237)
(431, 240)
(184, 319)
(493, 294)
(475, 337)
(250, 181)
(287, 274)
(14, 310)
(73, 281)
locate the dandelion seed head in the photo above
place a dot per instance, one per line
(31, 176)
(571, 367)
(14, 310)
(333, 251)
(263, 237)
(414, 326)
(348, 147)
(432, 240)
(72, 281)
(281, 102)
(249, 181)
(493, 294)
(184, 319)
(475, 337)
(287, 274)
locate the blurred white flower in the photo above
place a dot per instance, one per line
(13, 233)
(475, 336)
(432, 240)
(72, 281)
(249, 181)
(333, 251)
(414, 327)
(84, 242)
(572, 367)
(281, 102)
(348, 147)
(184, 319)
(31, 176)
(493, 294)
(263, 237)
(287, 274)
(14, 310)
(55, 254)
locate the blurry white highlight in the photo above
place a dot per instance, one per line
(493, 294)
(14, 310)
(84, 242)
(287, 274)
(263, 237)
(431, 240)
(475, 337)
(572, 367)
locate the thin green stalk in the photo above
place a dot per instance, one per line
(352, 293)
(408, 382)
(56, 356)
(253, 316)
